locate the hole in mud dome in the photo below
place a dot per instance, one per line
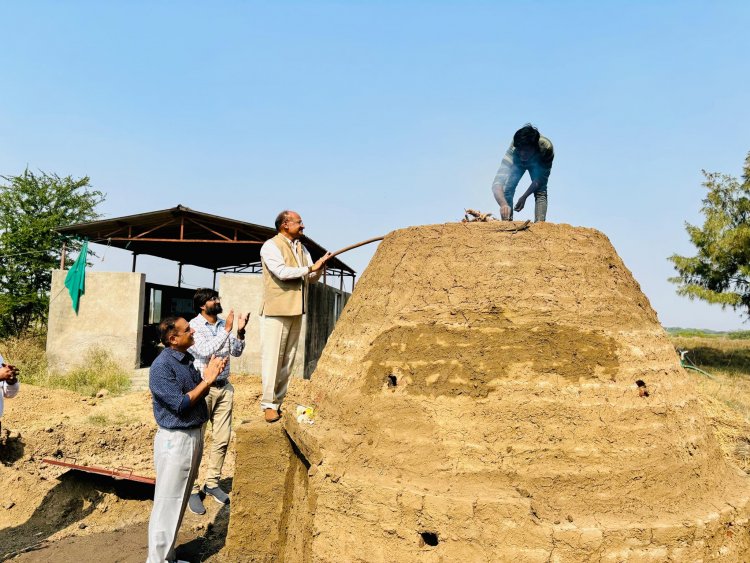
(640, 383)
(642, 389)
(429, 538)
(392, 380)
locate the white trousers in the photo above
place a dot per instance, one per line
(177, 456)
(279, 337)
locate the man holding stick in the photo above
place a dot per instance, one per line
(287, 269)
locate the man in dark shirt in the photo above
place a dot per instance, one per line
(528, 151)
(180, 411)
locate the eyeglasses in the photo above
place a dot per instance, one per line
(214, 299)
(172, 326)
(289, 221)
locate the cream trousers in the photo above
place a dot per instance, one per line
(219, 402)
(279, 339)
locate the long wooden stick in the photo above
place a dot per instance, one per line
(364, 242)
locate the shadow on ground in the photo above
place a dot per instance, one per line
(200, 538)
(707, 358)
(204, 547)
(11, 450)
(75, 496)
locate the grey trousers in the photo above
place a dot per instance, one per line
(177, 456)
(540, 207)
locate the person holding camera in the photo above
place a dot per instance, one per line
(9, 385)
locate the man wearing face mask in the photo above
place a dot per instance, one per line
(528, 151)
(213, 337)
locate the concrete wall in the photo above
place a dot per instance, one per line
(324, 307)
(110, 316)
(243, 292)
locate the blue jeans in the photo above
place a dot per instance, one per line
(540, 195)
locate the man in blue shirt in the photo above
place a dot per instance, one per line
(180, 411)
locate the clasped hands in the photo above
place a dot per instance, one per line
(215, 366)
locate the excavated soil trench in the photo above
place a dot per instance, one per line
(492, 396)
(49, 513)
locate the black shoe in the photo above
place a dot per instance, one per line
(219, 495)
(195, 504)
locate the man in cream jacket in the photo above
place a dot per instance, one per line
(287, 269)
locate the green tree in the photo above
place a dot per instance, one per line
(31, 207)
(720, 272)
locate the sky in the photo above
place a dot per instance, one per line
(368, 117)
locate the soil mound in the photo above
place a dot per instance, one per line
(495, 395)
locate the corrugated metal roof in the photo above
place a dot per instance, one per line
(190, 237)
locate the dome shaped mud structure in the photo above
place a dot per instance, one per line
(490, 395)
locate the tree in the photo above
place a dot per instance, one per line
(720, 272)
(31, 207)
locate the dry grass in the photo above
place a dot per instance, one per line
(103, 420)
(27, 354)
(97, 370)
(726, 393)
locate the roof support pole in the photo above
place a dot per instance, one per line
(62, 257)
(179, 276)
(214, 284)
(135, 257)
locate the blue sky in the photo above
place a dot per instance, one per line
(372, 116)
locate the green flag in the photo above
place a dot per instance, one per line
(75, 281)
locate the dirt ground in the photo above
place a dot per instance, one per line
(49, 513)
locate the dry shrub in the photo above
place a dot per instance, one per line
(97, 370)
(28, 355)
